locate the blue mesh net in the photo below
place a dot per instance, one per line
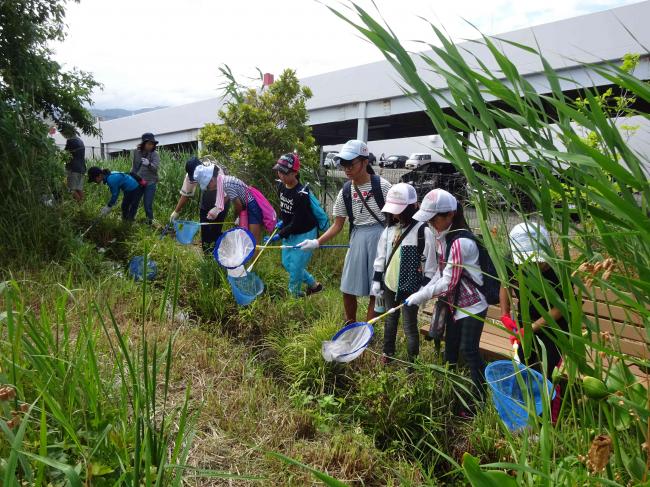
(185, 231)
(246, 288)
(509, 399)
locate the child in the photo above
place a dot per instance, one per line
(146, 163)
(406, 260)
(117, 181)
(530, 244)
(360, 201)
(208, 206)
(458, 279)
(297, 224)
(231, 190)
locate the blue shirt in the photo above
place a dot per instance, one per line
(117, 181)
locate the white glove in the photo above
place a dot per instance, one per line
(376, 289)
(145, 161)
(174, 216)
(105, 211)
(237, 221)
(213, 213)
(419, 298)
(309, 245)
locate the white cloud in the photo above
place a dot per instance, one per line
(165, 52)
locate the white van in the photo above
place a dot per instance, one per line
(416, 160)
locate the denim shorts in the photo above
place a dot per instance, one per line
(254, 213)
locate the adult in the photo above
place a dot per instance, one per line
(360, 201)
(208, 204)
(146, 163)
(457, 280)
(75, 168)
(116, 182)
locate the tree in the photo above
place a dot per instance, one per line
(259, 126)
(34, 92)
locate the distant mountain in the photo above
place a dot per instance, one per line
(111, 113)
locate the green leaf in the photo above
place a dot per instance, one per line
(67, 470)
(99, 469)
(481, 478)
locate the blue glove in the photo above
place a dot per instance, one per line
(268, 240)
(278, 225)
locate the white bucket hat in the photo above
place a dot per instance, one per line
(203, 175)
(529, 242)
(399, 196)
(434, 202)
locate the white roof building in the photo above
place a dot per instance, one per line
(367, 102)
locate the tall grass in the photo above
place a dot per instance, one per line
(608, 186)
(90, 408)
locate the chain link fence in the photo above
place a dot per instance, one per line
(331, 181)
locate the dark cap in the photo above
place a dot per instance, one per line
(149, 137)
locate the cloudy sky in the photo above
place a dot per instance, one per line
(167, 52)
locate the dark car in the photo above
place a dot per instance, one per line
(437, 174)
(395, 162)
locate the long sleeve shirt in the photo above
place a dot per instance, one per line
(463, 257)
(147, 172)
(406, 263)
(117, 181)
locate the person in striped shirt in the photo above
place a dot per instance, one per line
(457, 279)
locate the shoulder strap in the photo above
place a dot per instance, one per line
(365, 204)
(347, 200)
(421, 241)
(398, 243)
(375, 183)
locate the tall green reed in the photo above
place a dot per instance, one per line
(602, 213)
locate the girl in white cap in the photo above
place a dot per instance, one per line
(530, 245)
(457, 280)
(406, 260)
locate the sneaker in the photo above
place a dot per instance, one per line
(318, 287)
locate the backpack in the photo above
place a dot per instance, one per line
(491, 285)
(322, 219)
(375, 182)
(269, 217)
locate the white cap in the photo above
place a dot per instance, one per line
(203, 175)
(353, 149)
(399, 196)
(529, 242)
(434, 202)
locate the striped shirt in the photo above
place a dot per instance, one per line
(361, 215)
(463, 257)
(236, 188)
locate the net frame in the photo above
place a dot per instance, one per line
(349, 356)
(228, 234)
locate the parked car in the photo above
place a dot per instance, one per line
(395, 162)
(416, 160)
(437, 174)
(329, 162)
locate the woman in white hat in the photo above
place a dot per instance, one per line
(457, 280)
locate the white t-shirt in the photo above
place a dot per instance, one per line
(361, 215)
